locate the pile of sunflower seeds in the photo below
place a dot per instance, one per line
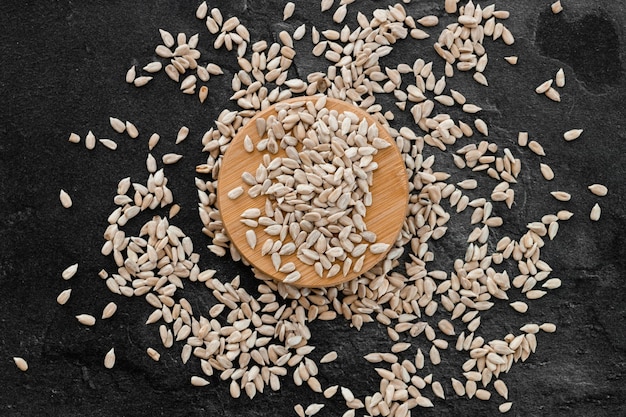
(255, 341)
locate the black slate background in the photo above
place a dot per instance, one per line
(62, 70)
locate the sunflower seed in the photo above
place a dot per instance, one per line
(70, 271)
(572, 134)
(505, 407)
(596, 211)
(86, 319)
(288, 10)
(66, 200)
(64, 296)
(598, 189)
(561, 195)
(109, 310)
(109, 359)
(198, 381)
(21, 363)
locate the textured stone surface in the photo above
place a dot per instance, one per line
(63, 66)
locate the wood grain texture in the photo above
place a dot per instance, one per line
(384, 217)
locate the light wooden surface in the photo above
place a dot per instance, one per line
(384, 217)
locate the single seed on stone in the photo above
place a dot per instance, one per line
(556, 8)
(21, 363)
(561, 195)
(154, 355)
(66, 200)
(511, 59)
(560, 78)
(109, 310)
(505, 407)
(117, 124)
(329, 357)
(519, 306)
(198, 381)
(171, 158)
(572, 134)
(596, 211)
(108, 143)
(546, 171)
(290, 7)
(74, 138)
(109, 359)
(544, 87)
(86, 319)
(90, 140)
(131, 74)
(548, 327)
(70, 271)
(598, 189)
(64, 296)
(182, 134)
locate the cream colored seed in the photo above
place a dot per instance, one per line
(131, 74)
(598, 189)
(329, 357)
(501, 388)
(109, 359)
(141, 81)
(64, 296)
(154, 139)
(536, 148)
(556, 7)
(511, 59)
(74, 138)
(109, 310)
(552, 283)
(108, 143)
(171, 158)
(198, 381)
(535, 294)
(546, 171)
(66, 200)
(86, 319)
(70, 271)
(596, 211)
(553, 95)
(544, 87)
(21, 363)
(290, 7)
(559, 78)
(505, 407)
(154, 355)
(519, 306)
(182, 134)
(561, 195)
(90, 140)
(572, 134)
(117, 124)
(548, 327)
(131, 130)
(313, 409)
(340, 13)
(428, 21)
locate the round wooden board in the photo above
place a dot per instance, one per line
(384, 217)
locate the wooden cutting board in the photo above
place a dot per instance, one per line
(384, 217)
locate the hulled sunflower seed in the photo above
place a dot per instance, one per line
(598, 189)
(596, 211)
(109, 310)
(66, 200)
(21, 363)
(64, 296)
(109, 359)
(86, 319)
(70, 271)
(572, 134)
